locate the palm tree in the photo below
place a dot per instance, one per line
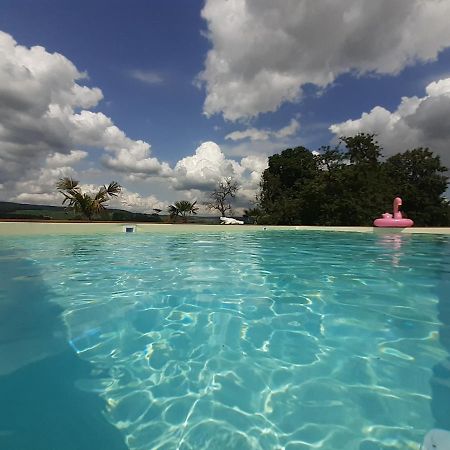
(85, 203)
(183, 208)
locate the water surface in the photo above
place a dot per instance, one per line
(256, 340)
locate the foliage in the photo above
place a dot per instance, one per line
(86, 204)
(295, 170)
(419, 177)
(183, 209)
(220, 198)
(253, 215)
(122, 216)
(23, 216)
(352, 185)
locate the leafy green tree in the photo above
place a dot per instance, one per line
(183, 209)
(220, 198)
(291, 186)
(352, 185)
(362, 149)
(252, 215)
(87, 204)
(333, 167)
(364, 184)
(419, 178)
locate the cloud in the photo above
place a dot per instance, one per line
(263, 135)
(192, 179)
(254, 166)
(46, 123)
(417, 122)
(47, 128)
(437, 88)
(264, 51)
(56, 159)
(32, 82)
(147, 76)
(39, 194)
(251, 133)
(40, 188)
(128, 156)
(288, 130)
(197, 175)
(136, 161)
(204, 169)
(133, 201)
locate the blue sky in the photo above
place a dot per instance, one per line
(109, 39)
(193, 91)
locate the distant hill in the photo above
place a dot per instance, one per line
(11, 210)
(10, 206)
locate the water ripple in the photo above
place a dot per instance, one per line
(255, 341)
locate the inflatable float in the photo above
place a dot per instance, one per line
(396, 221)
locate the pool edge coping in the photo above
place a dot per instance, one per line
(11, 228)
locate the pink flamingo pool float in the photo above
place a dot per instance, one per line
(397, 220)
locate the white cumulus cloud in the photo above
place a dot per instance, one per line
(204, 169)
(133, 201)
(417, 122)
(255, 134)
(41, 187)
(264, 51)
(47, 128)
(45, 123)
(56, 159)
(197, 175)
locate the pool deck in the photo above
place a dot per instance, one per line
(35, 228)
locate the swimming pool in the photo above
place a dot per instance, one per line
(251, 340)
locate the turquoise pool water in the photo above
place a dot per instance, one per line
(263, 340)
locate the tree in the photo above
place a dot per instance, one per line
(220, 198)
(364, 185)
(87, 204)
(418, 177)
(331, 159)
(252, 215)
(352, 186)
(333, 165)
(183, 208)
(362, 148)
(291, 187)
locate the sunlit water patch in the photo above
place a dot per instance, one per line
(258, 340)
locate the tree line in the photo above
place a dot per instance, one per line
(351, 184)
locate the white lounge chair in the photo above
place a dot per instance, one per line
(230, 221)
